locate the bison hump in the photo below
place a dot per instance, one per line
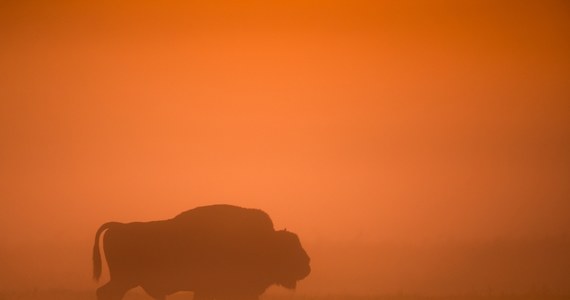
(227, 218)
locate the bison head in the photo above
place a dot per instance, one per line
(291, 261)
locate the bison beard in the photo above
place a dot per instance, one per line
(218, 252)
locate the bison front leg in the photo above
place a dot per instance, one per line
(111, 291)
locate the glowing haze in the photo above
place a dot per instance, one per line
(386, 135)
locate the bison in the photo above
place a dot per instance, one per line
(218, 252)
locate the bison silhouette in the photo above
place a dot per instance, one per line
(219, 252)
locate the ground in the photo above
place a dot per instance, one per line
(137, 295)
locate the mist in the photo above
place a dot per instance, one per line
(416, 148)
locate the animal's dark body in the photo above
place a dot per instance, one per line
(218, 252)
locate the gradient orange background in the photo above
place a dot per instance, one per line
(419, 147)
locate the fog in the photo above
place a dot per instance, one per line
(417, 148)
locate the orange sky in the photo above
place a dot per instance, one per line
(363, 123)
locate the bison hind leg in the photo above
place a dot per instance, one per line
(154, 291)
(156, 296)
(112, 291)
(202, 296)
(238, 297)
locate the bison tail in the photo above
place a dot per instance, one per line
(96, 252)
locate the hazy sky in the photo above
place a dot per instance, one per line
(359, 122)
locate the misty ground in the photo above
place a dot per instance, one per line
(139, 295)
